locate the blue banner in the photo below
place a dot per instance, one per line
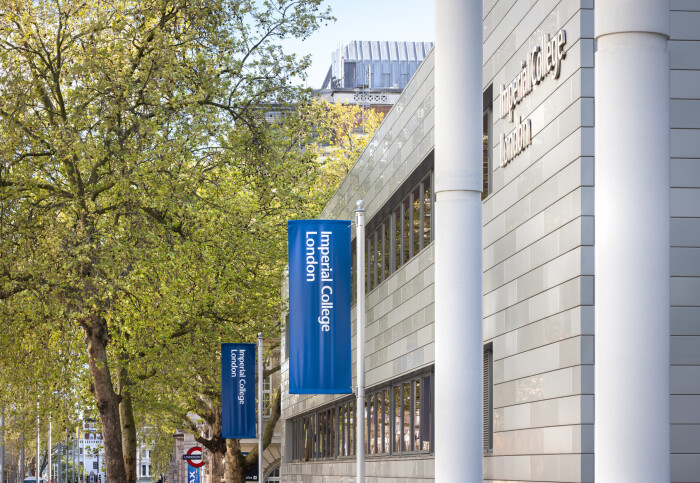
(253, 473)
(192, 475)
(319, 307)
(238, 391)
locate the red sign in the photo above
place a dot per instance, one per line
(193, 459)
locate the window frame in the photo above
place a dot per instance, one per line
(406, 233)
(339, 442)
(487, 405)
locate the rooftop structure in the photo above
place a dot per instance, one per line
(375, 65)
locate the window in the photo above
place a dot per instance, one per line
(273, 476)
(488, 142)
(488, 398)
(143, 470)
(94, 465)
(286, 333)
(400, 230)
(268, 394)
(400, 235)
(398, 420)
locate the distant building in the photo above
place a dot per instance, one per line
(372, 73)
(91, 451)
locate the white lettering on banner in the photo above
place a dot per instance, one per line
(543, 59)
(238, 367)
(193, 476)
(311, 261)
(323, 260)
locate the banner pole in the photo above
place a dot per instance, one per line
(48, 446)
(38, 443)
(2, 448)
(360, 280)
(21, 454)
(260, 406)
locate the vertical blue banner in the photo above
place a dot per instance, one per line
(319, 307)
(192, 474)
(238, 391)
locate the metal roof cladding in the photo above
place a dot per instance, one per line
(390, 64)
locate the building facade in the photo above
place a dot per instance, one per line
(543, 239)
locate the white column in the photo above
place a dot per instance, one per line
(458, 266)
(632, 260)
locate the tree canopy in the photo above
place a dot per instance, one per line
(139, 198)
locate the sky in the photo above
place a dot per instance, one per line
(400, 20)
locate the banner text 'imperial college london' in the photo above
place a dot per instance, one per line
(319, 307)
(238, 391)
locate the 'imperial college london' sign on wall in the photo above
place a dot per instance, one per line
(543, 59)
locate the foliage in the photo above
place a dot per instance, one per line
(138, 201)
(187, 396)
(341, 133)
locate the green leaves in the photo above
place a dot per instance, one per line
(143, 197)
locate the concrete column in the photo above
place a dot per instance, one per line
(458, 266)
(632, 241)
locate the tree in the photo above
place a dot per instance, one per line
(117, 119)
(332, 137)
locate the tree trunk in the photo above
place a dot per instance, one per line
(128, 426)
(217, 467)
(106, 398)
(239, 465)
(235, 462)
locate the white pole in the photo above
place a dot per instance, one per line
(21, 455)
(82, 442)
(260, 407)
(632, 241)
(38, 441)
(48, 445)
(458, 250)
(2, 447)
(360, 280)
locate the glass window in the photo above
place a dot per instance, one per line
(398, 423)
(426, 422)
(398, 259)
(487, 142)
(386, 247)
(370, 424)
(387, 420)
(488, 399)
(416, 221)
(406, 230)
(397, 419)
(350, 429)
(369, 262)
(407, 417)
(427, 207)
(416, 415)
(376, 252)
